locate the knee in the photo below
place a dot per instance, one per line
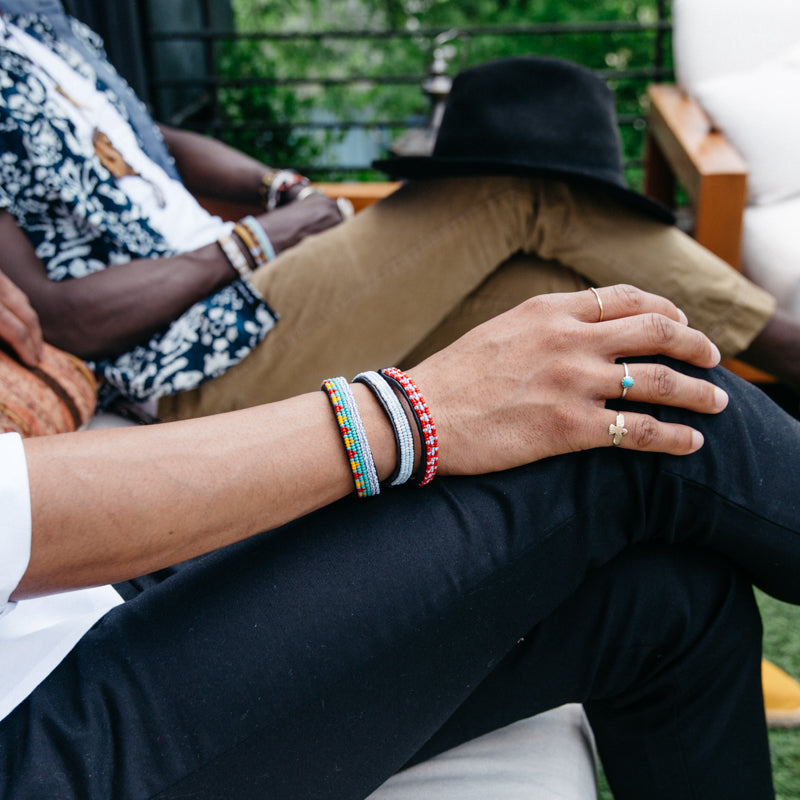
(697, 601)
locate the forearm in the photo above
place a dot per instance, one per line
(210, 168)
(109, 311)
(135, 500)
(110, 505)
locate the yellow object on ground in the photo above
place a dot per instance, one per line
(781, 696)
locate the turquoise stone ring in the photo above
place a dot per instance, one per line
(627, 381)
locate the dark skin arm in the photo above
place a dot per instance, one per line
(210, 168)
(109, 312)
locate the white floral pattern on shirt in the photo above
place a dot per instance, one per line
(80, 222)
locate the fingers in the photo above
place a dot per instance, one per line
(19, 324)
(616, 302)
(655, 334)
(633, 431)
(640, 323)
(658, 383)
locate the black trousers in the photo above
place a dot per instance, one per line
(316, 660)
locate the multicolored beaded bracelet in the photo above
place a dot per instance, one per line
(275, 184)
(425, 425)
(252, 245)
(257, 230)
(403, 437)
(359, 455)
(234, 254)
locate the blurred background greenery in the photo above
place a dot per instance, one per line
(329, 86)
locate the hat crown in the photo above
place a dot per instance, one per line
(533, 110)
(529, 115)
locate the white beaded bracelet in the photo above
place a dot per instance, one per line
(234, 255)
(403, 436)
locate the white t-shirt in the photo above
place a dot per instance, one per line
(171, 208)
(35, 635)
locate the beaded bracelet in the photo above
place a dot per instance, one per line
(429, 462)
(234, 255)
(354, 436)
(257, 230)
(275, 184)
(403, 438)
(251, 243)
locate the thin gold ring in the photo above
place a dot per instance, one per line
(599, 301)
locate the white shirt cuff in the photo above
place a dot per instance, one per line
(15, 521)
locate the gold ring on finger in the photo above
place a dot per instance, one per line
(599, 301)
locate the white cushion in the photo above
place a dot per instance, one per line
(714, 37)
(758, 112)
(105, 419)
(771, 251)
(547, 757)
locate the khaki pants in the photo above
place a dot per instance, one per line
(409, 274)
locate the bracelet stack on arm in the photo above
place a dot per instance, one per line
(248, 236)
(385, 385)
(276, 183)
(236, 258)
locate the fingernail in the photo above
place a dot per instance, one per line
(697, 440)
(683, 318)
(720, 398)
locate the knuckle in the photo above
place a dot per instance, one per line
(645, 432)
(629, 296)
(660, 329)
(569, 425)
(664, 382)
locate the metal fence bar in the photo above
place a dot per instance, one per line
(211, 84)
(535, 29)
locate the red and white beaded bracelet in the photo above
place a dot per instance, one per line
(425, 425)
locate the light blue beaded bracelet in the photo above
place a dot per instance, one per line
(403, 436)
(257, 229)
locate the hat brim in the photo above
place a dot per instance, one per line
(426, 167)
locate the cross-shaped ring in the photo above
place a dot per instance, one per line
(617, 431)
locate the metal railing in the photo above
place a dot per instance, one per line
(227, 102)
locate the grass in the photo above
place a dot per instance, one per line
(782, 646)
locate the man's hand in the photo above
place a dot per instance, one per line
(291, 223)
(19, 324)
(534, 381)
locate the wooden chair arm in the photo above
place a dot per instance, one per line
(360, 194)
(683, 146)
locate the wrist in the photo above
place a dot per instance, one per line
(279, 187)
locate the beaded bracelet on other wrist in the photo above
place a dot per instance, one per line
(274, 186)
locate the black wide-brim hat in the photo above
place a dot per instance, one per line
(529, 116)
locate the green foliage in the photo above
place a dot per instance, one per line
(299, 74)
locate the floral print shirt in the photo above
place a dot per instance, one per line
(79, 222)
